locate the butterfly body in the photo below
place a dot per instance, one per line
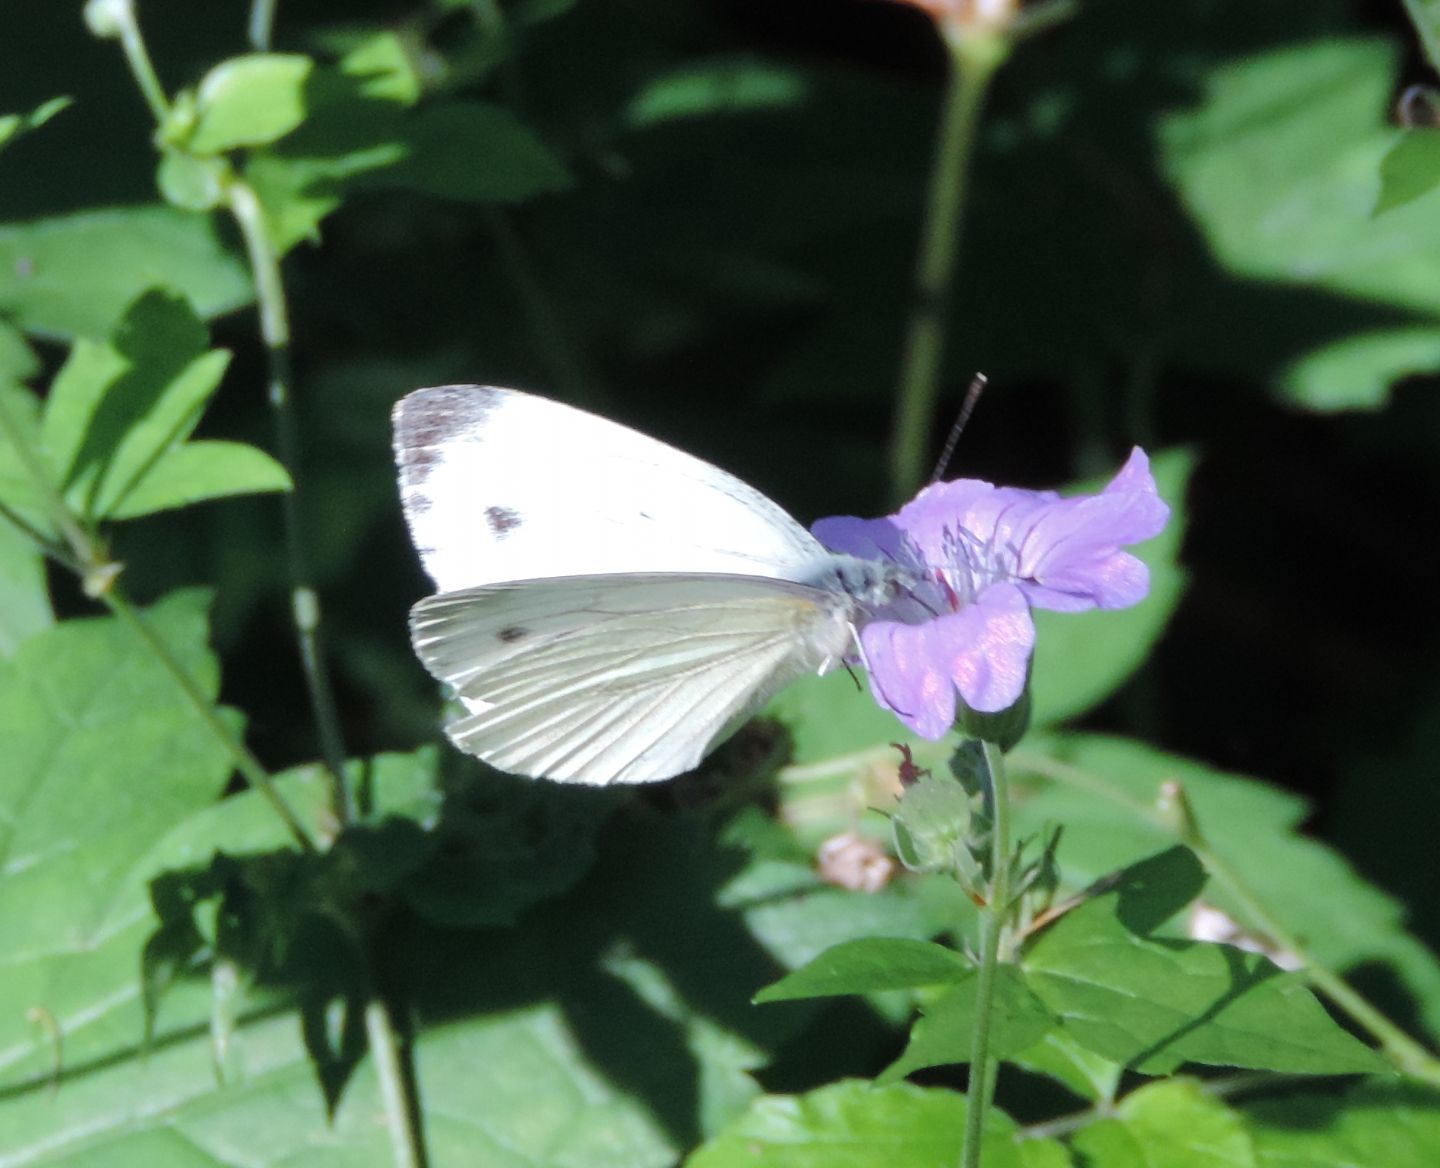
(610, 608)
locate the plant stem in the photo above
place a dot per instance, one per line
(262, 20)
(141, 67)
(984, 1068)
(406, 1145)
(305, 603)
(974, 59)
(245, 762)
(81, 543)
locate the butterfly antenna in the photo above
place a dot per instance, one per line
(967, 407)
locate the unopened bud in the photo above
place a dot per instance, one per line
(931, 823)
(108, 19)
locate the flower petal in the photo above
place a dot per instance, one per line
(1069, 555)
(870, 539)
(983, 651)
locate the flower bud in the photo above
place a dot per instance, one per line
(108, 19)
(931, 824)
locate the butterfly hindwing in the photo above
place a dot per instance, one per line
(620, 678)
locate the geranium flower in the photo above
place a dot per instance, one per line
(983, 556)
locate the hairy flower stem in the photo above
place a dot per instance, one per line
(983, 1068)
(407, 1148)
(974, 59)
(243, 204)
(138, 57)
(305, 603)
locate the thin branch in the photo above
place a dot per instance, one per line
(406, 1145)
(305, 603)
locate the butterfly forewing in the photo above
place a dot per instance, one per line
(499, 485)
(620, 678)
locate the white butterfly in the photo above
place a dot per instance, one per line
(610, 608)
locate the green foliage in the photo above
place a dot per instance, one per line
(942, 1034)
(101, 761)
(1153, 1003)
(75, 275)
(119, 414)
(1410, 169)
(24, 599)
(248, 101)
(1279, 168)
(867, 965)
(12, 126)
(1104, 790)
(854, 1124)
(705, 224)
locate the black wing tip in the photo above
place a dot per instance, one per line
(423, 414)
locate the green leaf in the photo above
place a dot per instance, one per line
(197, 471)
(459, 150)
(24, 596)
(472, 152)
(1060, 1057)
(17, 359)
(249, 101)
(1393, 1124)
(1081, 658)
(868, 965)
(1104, 790)
(169, 1110)
(386, 66)
(103, 756)
(119, 414)
(298, 192)
(727, 85)
(1175, 1124)
(798, 928)
(942, 1034)
(1279, 168)
(855, 1125)
(1410, 168)
(1425, 16)
(14, 126)
(75, 275)
(1356, 372)
(504, 844)
(1152, 1004)
(191, 183)
(17, 486)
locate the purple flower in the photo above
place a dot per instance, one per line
(981, 557)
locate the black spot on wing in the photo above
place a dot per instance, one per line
(512, 633)
(502, 521)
